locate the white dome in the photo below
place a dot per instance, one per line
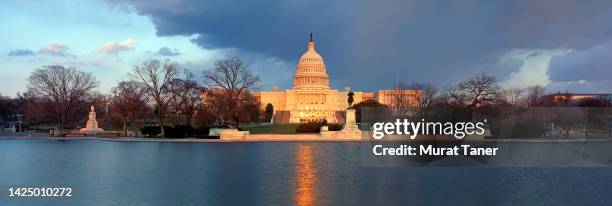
(311, 71)
(311, 56)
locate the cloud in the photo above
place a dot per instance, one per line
(533, 68)
(21, 52)
(580, 86)
(373, 43)
(593, 63)
(54, 49)
(116, 47)
(76, 63)
(165, 51)
(592, 67)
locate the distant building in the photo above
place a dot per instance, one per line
(311, 98)
(399, 100)
(573, 99)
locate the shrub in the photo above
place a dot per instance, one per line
(315, 127)
(178, 131)
(150, 131)
(200, 131)
(334, 127)
(530, 129)
(270, 128)
(310, 127)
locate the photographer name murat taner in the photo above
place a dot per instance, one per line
(436, 151)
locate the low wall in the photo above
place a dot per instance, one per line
(233, 135)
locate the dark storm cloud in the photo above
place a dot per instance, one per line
(21, 52)
(594, 64)
(370, 44)
(166, 51)
(585, 70)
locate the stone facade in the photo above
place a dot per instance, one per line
(310, 105)
(311, 98)
(400, 101)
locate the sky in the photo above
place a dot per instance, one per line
(367, 45)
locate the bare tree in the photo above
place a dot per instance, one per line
(475, 91)
(156, 76)
(128, 103)
(455, 97)
(64, 88)
(402, 104)
(34, 109)
(8, 107)
(533, 94)
(215, 103)
(186, 95)
(512, 96)
(233, 80)
(428, 97)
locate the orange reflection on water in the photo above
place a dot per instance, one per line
(305, 175)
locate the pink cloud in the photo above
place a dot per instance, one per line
(54, 49)
(114, 47)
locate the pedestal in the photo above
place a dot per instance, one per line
(349, 132)
(351, 121)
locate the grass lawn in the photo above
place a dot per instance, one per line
(271, 128)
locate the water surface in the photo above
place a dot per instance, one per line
(273, 173)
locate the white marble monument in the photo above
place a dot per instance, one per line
(92, 123)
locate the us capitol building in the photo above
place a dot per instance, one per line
(311, 98)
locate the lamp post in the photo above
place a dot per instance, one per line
(106, 110)
(19, 116)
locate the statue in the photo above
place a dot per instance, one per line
(350, 125)
(92, 124)
(350, 98)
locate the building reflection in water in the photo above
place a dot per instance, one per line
(305, 176)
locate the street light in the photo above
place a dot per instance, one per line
(19, 116)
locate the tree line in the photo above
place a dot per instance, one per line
(482, 90)
(161, 93)
(510, 112)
